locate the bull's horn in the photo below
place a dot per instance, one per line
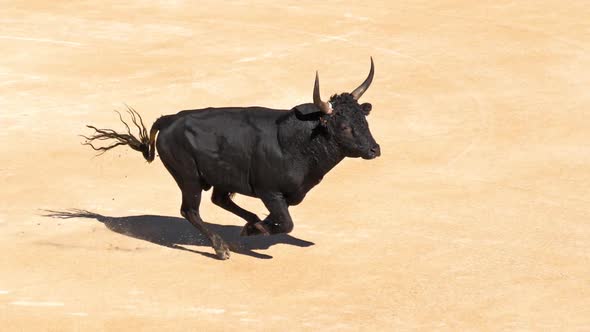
(317, 100)
(358, 92)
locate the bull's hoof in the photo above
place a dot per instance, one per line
(246, 230)
(254, 229)
(221, 248)
(222, 253)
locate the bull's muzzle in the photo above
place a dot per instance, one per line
(373, 152)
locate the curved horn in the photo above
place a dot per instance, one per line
(358, 92)
(317, 100)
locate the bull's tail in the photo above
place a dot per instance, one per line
(143, 143)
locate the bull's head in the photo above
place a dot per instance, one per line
(345, 120)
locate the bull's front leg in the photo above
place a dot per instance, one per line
(279, 221)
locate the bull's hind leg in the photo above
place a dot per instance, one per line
(223, 199)
(191, 199)
(184, 171)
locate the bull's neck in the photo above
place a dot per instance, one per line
(313, 152)
(322, 154)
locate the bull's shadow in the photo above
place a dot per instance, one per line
(173, 232)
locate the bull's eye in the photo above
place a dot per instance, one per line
(346, 130)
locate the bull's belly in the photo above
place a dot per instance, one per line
(224, 176)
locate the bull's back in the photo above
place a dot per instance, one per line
(232, 147)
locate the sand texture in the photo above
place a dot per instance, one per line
(475, 217)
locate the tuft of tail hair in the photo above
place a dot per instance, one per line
(143, 143)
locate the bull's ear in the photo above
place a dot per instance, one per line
(306, 109)
(366, 108)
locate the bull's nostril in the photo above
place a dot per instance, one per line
(376, 150)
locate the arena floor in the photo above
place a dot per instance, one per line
(476, 217)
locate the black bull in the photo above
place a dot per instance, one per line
(275, 155)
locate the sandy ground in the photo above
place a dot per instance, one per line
(475, 217)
